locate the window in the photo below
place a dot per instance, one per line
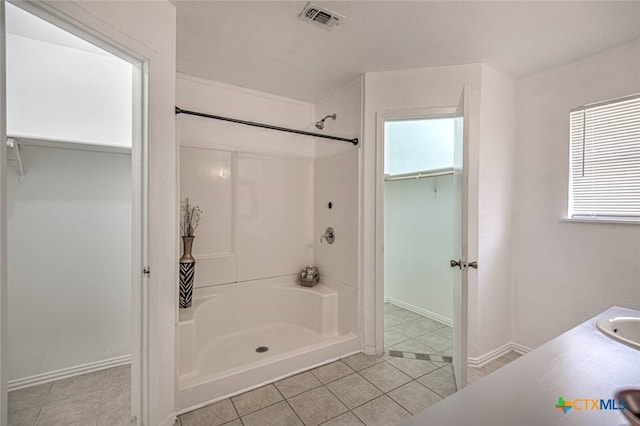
(418, 145)
(605, 160)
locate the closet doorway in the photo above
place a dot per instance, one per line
(75, 223)
(421, 228)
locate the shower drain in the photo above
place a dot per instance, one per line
(261, 349)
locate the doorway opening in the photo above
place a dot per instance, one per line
(419, 233)
(75, 225)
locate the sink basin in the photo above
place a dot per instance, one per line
(623, 329)
(631, 399)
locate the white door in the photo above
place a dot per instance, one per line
(459, 255)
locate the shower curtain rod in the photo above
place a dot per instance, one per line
(354, 141)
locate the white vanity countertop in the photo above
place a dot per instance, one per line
(580, 364)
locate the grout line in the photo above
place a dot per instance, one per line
(338, 397)
(266, 406)
(287, 401)
(234, 407)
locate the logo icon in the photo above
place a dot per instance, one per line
(563, 405)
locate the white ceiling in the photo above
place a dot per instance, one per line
(263, 45)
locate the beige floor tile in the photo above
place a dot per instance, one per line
(433, 325)
(413, 367)
(297, 384)
(256, 399)
(78, 408)
(448, 367)
(414, 397)
(475, 374)
(77, 386)
(354, 390)
(211, 415)
(390, 307)
(361, 361)
(385, 376)
(236, 422)
(117, 393)
(26, 417)
(118, 375)
(382, 411)
(394, 335)
(511, 356)
(440, 381)
(330, 372)
(116, 407)
(115, 418)
(391, 321)
(446, 351)
(88, 422)
(316, 406)
(279, 414)
(446, 331)
(413, 346)
(406, 315)
(346, 419)
(416, 328)
(435, 340)
(33, 396)
(502, 361)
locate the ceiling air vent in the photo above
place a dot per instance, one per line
(320, 16)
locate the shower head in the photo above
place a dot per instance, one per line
(320, 124)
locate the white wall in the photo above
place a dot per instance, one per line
(416, 89)
(255, 185)
(84, 92)
(418, 242)
(490, 326)
(336, 180)
(566, 272)
(69, 251)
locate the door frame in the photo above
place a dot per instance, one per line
(381, 117)
(139, 203)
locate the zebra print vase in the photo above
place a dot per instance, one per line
(187, 271)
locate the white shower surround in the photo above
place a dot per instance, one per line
(219, 334)
(265, 196)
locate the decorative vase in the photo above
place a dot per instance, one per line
(187, 270)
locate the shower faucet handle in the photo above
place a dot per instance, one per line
(329, 235)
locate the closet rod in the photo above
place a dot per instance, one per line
(418, 175)
(354, 141)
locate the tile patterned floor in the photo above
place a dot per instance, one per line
(93, 399)
(408, 331)
(356, 390)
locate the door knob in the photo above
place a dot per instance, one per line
(463, 264)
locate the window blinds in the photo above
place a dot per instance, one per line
(605, 160)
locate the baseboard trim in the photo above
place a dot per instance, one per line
(419, 311)
(68, 372)
(521, 349)
(477, 362)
